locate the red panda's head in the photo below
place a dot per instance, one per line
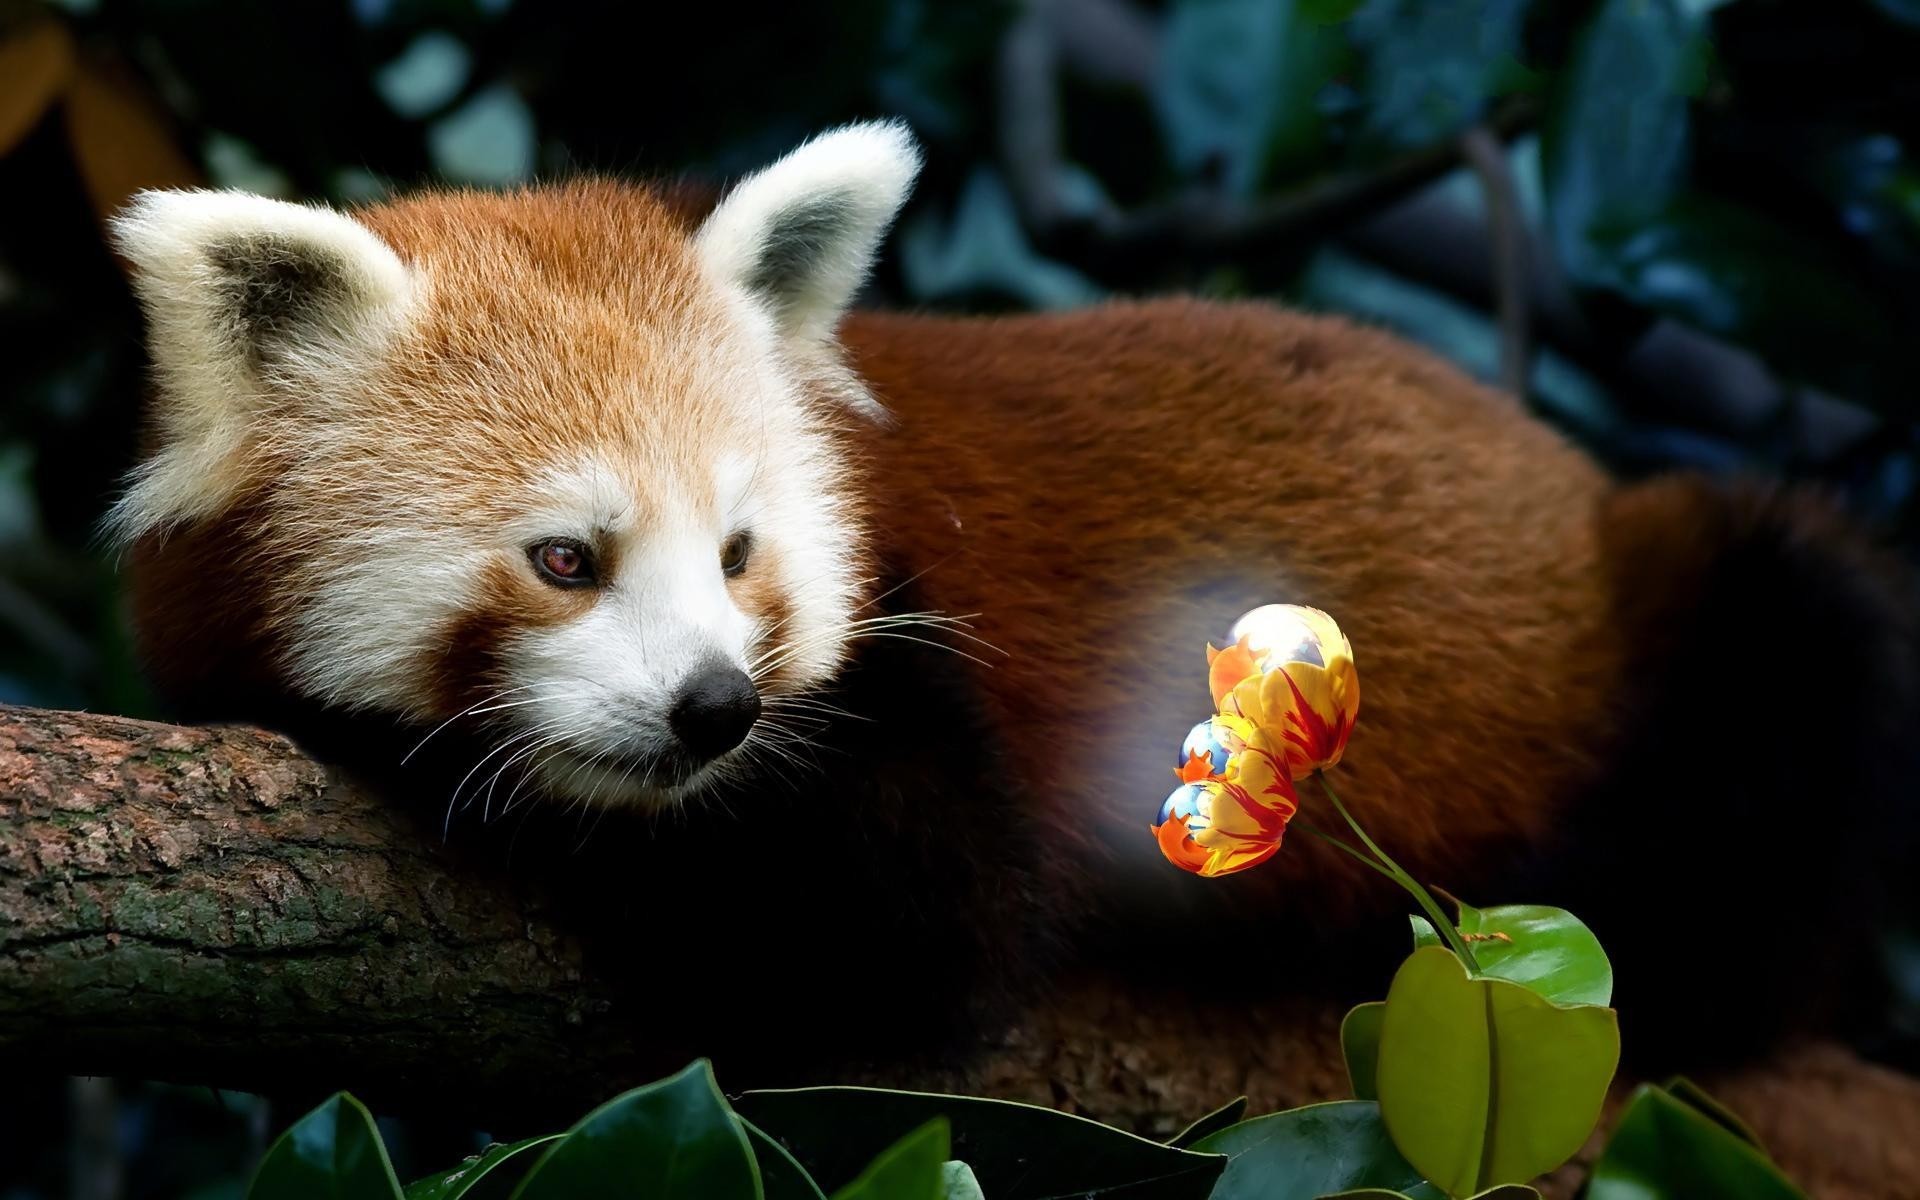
(552, 457)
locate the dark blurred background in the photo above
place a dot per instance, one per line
(1686, 231)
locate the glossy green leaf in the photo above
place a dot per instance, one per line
(671, 1140)
(1216, 1120)
(1307, 1152)
(1665, 1149)
(781, 1175)
(1546, 949)
(1483, 1081)
(487, 1176)
(1690, 1093)
(1360, 1045)
(1240, 87)
(913, 1168)
(958, 1180)
(332, 1153)
(1017, 1151)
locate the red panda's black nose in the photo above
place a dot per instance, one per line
(716, 708)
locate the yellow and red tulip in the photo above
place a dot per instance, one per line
(1287, 696)
(1290, 672)
(1217, 827)
(1235, 798)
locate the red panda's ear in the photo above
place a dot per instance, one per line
(249, 301)
(800, 235)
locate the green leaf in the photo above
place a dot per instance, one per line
(982, 250)
(1615, 138)
(1431, 66)
(1688, 1092)
(1018, 1151)
(1740, 274)
(489, 1176)
(781, 1175)
(1664, 1149)
(913, 1168)
(332, 1153)
(1216, 1120)
(1483, 1081)
(671, 1140)
(491, 139)
(1360, 1044)
(959, 1184)
(1615, 156)
(1548, 950)
(1307, 1152)
(1329, 12)
(1240, 87)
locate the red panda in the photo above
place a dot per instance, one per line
(900, 619)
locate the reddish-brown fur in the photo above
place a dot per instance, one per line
(1107, 490)
(561, 320)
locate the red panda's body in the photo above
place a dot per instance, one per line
(609, 494)
(1575, 691)
(1110, 489)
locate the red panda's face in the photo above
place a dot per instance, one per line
(549, 463)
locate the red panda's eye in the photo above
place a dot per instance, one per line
(734, 552)
(562, 562)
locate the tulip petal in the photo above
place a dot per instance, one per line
(1216, 828)
(1226, 668)
(1319, 717)
(1180, 848)
(1287, 695)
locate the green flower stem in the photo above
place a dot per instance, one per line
(1393, 870)
(1359, 856)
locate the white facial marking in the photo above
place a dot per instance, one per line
(578, 502)
(381, 552)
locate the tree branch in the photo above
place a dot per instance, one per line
(1507, 227)
(211, 906)
(208, 905)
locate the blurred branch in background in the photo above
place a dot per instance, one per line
(1110, 41)
(1507, 232)
(1203, 224)
(1383, 202)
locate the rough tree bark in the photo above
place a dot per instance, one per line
(212, 906)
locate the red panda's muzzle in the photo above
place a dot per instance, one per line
(715, 710)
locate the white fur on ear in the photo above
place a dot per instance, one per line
(800, 235)
(243, 296)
